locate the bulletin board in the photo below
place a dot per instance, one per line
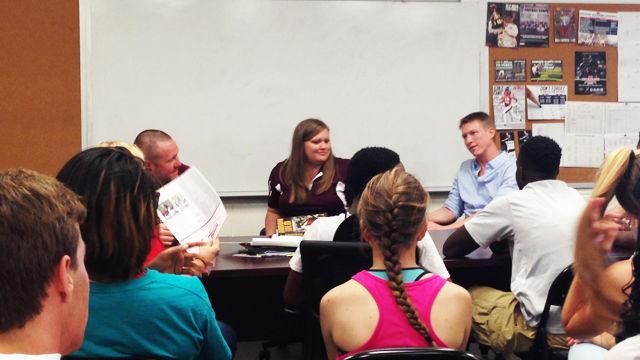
(39, 84)
(566, 53)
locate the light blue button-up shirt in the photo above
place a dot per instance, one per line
(470, 193)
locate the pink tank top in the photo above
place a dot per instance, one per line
(393, 328)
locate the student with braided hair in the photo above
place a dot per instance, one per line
(394, 303)
(604, 295)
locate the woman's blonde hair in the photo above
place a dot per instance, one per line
(133, 149)
(619, 175)
(293, 172)
(392, 210)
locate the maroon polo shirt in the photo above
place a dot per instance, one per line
(332, 202)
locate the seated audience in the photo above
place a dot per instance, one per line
(395, 303)
(539, 223)
(310, 180)
(134, 311)
(603, 295)
(490, 174)
(44, 289)
(173, 258)
(364, 165)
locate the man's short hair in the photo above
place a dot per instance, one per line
(146, 140)
(481, 116)
(541, 154)
(365, 164)
(39, 220)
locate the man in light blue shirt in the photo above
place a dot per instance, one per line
(491, 173)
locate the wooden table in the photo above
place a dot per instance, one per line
(247, 292)
(228, 265)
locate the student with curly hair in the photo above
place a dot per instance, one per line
(395, 303)
(603, 295)
(134, 311)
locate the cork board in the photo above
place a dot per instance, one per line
(39, 83)
(566, 53)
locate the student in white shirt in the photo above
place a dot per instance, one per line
(364, 165)
(539, 223)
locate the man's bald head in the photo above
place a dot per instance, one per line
(161, 154)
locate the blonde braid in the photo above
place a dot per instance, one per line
(392, 209)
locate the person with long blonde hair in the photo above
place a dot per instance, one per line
(395, 303)
(310, 181)
(603, 296)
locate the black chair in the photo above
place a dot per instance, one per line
(540, 349)
(413, 354)
(327, 264)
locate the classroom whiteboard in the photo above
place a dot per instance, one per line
(229, 79)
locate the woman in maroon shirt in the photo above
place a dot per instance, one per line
(310, 181)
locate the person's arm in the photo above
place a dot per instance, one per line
(273, 201)
(450, 211)
(326, 323)
(508, 183)
(459, 243)
(451, 315)
(430, 259)
(271, 221)
(455, 225)
(595, 298)
(293, 293)
(492, 224)
(440, 218)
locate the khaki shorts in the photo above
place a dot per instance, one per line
(499, 323)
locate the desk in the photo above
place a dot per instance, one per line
(247, 292)
(228, 265)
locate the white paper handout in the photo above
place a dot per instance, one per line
(622, 118)
(583, 150)
(629, 56)
(585, 118)
(191, 208)
(555, 131)
(614, 141)
(546, 102)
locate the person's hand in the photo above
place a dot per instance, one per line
(172, 260)
(618, 215)
(602, 229)
(604, 340)
(166, 236)
(203, 261)
(434, 226)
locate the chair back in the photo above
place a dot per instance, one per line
(413, 354)
(557, 294)
(328, 264)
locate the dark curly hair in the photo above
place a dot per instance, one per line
(542, 155)
(121, 201)
(365, 164)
